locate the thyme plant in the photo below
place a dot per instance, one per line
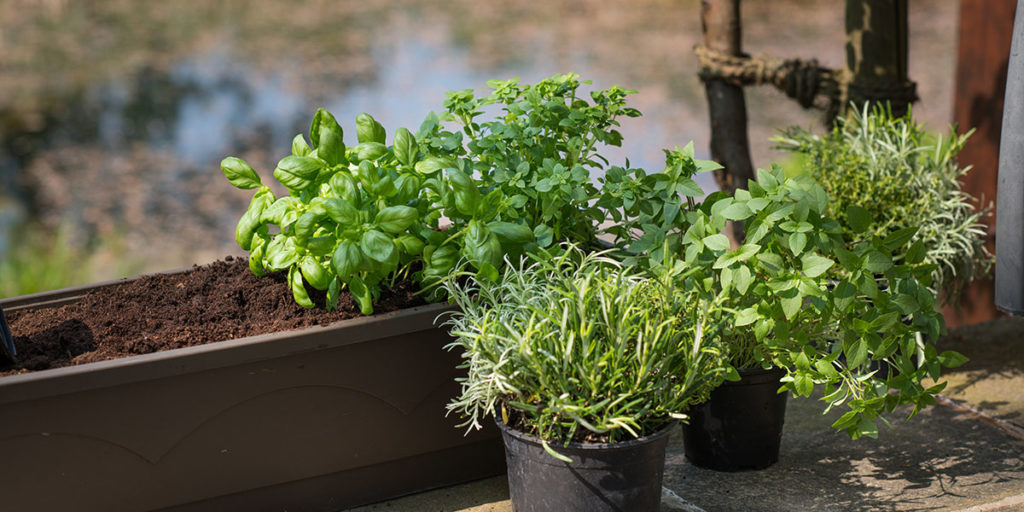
(575, 346)
(890, 173)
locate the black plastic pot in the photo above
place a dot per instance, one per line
(740, 426)
(618, 477)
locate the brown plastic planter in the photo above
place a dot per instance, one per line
(316, 419)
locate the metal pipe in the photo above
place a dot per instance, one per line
(1010, 188)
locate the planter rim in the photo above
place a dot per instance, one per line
(69, 379)
(753, 376)
(587, 446)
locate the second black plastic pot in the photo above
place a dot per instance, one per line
(740, 426)
(617, 477)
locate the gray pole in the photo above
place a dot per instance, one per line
(1010, 189)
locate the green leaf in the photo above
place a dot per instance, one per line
(369, 130)
(297, 172)
(281, 253)
(320, 118)
(432, 164)
(952, 359)
(856, 353)
(916, 253)
(847, 420)
(898, 238)
(746, 317)
(405, 146)
(239, 173)
(849, 261)
(331, 147)
(866, 427)
(742, 279)
(877, 262)
(814, 265)
(315, 273)
(791, 302)
(843, 295)
(299, 146)
(717, 242)
(688, 187)
(371, 150)
(858, 219)
(511, 233)
(298, 288)
(361, 293)
(797, 242)
(737, 211)
(377, 246)
(396, 219)
(342, 212)
(347, 259)
(333, 294)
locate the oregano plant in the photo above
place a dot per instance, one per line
(828, 312)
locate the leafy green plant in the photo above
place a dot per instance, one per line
(355, 217)
(575, 346)
(536, 157)
(891, 172)
(360, 217)
(825, 310)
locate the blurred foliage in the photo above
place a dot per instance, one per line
(39, 260)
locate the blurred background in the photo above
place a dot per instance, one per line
(115, 114)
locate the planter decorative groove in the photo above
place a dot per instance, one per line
(316, 419)
(740, 426)
(619, 477)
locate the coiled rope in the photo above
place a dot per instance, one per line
(810, 84)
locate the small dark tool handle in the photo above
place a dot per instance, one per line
(7, 350)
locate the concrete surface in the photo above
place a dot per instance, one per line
(964, 455)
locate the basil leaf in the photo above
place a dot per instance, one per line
(511, 233)
(369, 130)
(377, 246)
(396, 219)
(405, 147)
(297, 172)
(371, 150)
(299, 146)
(361, 293)
(298, 288)
(331, 148)
(858, 219)
(347, 259)
(432, 164)
(342, 212)
(239, 173)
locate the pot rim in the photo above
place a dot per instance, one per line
(527, 438)
(755, 376)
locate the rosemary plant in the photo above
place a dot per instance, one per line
(890, 172)
(577, 347)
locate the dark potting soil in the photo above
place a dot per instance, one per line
(215, 302)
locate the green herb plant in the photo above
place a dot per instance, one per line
(577, 347)
(825, 310)
(890, 171)
(536, 156)
(360, 217)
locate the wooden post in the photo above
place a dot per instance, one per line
(986, 29)
(876, 53)
(730, 146)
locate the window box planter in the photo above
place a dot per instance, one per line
(322, 418)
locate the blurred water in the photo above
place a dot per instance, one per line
(113, 118)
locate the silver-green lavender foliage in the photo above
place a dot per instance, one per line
(576, 344)
(903, 177)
